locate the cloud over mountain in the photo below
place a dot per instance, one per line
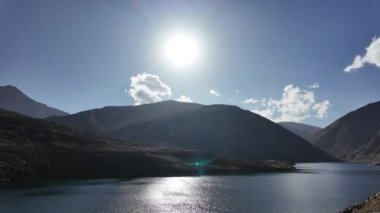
(372, 56)
(321, 108)
(295, 105)
(184, 98)
(148, 88)
(250, 101)
(215, 93)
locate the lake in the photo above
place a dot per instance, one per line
(316, 187)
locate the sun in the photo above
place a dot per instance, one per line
(181, 49)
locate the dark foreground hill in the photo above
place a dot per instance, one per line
(33, 149)
(355, 136)
(226, 130)
(12, 99)
(304, 130)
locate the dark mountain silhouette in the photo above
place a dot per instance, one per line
(12, 99)
(112, 118)
(223, 129)
(38, 149)
(354, 136)
(304, 130)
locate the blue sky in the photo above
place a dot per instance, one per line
(77, 55)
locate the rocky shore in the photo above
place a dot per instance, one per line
(370, 205)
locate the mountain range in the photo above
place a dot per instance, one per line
(226, 130)
(222, 129)
(13, 99)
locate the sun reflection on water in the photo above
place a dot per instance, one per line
(188, 194)
(171, 194)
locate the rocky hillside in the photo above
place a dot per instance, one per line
(12, 99)
(370, 205)
(369, 152)
(355, 136)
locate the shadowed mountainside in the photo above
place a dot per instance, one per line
(355, 136)
(12, 99)
(32, 149)
(226, 130)
(304, 130)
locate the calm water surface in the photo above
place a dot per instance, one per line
(321, 187)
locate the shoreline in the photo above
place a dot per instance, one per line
(23, 165)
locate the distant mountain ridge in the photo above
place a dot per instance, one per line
(112, 118)
(13, 99)
(355, 136)
(221, 129)
(304, 130)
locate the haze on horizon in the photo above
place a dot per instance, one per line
(304, 61)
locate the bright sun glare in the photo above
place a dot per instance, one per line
(181, 49)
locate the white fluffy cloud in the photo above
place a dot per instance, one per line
(263, 102)
(321, 108)
(148, 88)
(372, 56)
(315, 85)
(184, 98)
(295, 105)
(214, 93)
(250, 101)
